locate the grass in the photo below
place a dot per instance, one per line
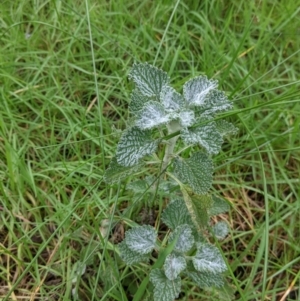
(64, 96)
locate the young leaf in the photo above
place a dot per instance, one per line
(226, 128)
(152, 115)
(185, 238)
(131, 257)
(171, 100)
(138, 101)
(141, 239)
(116, 172)
(206, 135)
(174, 265)
(218, 206)
(196, 90)
(186, 118)
(196, 171)
(134, 145)
(164, 289)
(209, 259)
(176, 214)
(148, 79)
(220, 230)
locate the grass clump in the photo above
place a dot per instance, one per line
(63, 100)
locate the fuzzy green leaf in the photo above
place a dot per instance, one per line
(209, 259)
(164, 289)
(171, 100)
(226, 128)
(185, 238)
(134, 145)
(218, 206)
(152, 115)
(141, 239)
(197, 89)
(130, 256)
(148, 79)
(138, 101)
(176, 214)
(206, 279)
(220, 230)
(215, 102)
(206, 135)
(196, 171)
(174, 265)
(116, 172)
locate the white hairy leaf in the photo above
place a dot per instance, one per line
(174, 265)
(206, 135)
(176, 214)
(196, 90)
(164, 289)
(206, 279)
(209, 259)
(134, 145)
(130, 256)
(186, 118)
(148, 79)
(185, 238)
(171, 100)
(138, 101)
(220, 230)
(151, 115)
(141, 239)
(116, 172)
(196, 171)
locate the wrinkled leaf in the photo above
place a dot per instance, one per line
(134, 145)
(185, 238)
(218, 206)
(186, 118)
(209, 259)
(141, 239)
(196, 171)
(148, 79)
(152, 115)
(130, 256)
(206, 135)
(138, 101)
(220, 230)
(174, 265)
(176, 214)
(171, 100)
(164, 289)
(226, 128)
(206, 279)
(197, 89)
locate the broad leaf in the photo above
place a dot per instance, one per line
(152, 115)
(164, 289)
(197, 89)
(209, 259)
(174, 265)
(141, 239)
(218, 206)
(116, 172)
(196, 171)
(131, 257)
(148, 79)
(171, 100)
(206, 279)
(206, 135)
(176, 214)
(134, 145)
(185, 239)
(138, 101)
(220, 230)
(226, 128)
